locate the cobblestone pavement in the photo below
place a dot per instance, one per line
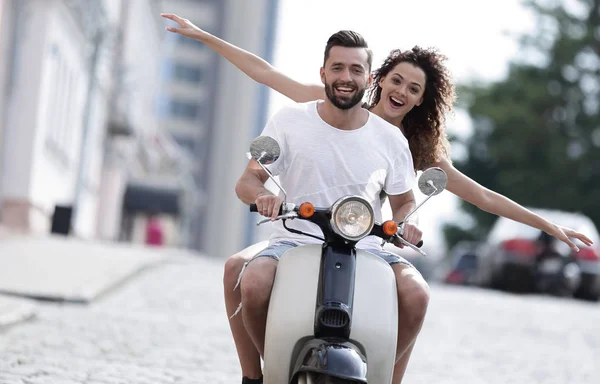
(168, 325)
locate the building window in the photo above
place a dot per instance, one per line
(186, 143)
(162, 105)
(184, 109)
(172, 70)
(187, 73)
(181, 109)
(63, 99)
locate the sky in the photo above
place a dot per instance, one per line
(475, 35)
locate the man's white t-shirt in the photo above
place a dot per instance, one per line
(320, 164)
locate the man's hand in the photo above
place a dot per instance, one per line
(268, 205)
(188, 29)
(411, 234)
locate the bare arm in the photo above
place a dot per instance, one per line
(256, 68)
(252, 183)
(401, 206)
(250, 188)
(492, 202)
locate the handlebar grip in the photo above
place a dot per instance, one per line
(418, 245)
(253, 208)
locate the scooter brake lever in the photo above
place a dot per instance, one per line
(412, 246)
(289, 215)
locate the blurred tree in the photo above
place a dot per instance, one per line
(537, 133)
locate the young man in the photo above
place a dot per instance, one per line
(329, 149)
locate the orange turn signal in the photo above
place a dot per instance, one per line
(389, 227)
(306, 210)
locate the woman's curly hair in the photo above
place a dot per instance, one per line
(424, 125)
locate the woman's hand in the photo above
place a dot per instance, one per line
(187, 28)
(564, 233)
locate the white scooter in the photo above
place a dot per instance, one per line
(333, 312)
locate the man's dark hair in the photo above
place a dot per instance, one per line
(348, 39)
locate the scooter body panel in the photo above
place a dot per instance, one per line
(291, 310)
(291, 314)
(375, 315)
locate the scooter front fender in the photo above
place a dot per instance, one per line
(334, 358)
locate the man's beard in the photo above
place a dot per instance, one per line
(342, 102)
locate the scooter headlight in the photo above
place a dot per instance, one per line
(352, 217)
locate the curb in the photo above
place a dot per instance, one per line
(13, 311)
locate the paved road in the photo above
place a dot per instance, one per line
(167, 325)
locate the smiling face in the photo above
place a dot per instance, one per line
(346, 76)
(401, 90)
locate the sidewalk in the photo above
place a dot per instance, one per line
(14, 310)
(68, 269)
(4, 232)
(165, 326)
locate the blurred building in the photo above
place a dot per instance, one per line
(49, 62)
(185, 105)
(5, 38)
(81, 150)
(214, 110)
(106, 119)
(144, 172)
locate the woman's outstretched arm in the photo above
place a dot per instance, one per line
(255, 67)
(492, 202)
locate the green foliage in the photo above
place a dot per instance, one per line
(454, 234)
(537, 133)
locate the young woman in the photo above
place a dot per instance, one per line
(413, 91)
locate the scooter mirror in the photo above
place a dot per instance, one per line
(265, 150)
(433, 181)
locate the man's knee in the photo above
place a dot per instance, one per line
(413, 295)
(257, 283)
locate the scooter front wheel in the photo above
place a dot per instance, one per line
(316, 378)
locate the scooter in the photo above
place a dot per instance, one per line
(333, 312)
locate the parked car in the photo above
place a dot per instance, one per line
(460, 265)
(520, 258)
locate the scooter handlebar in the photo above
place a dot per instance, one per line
(418, 245)
(253, 208)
